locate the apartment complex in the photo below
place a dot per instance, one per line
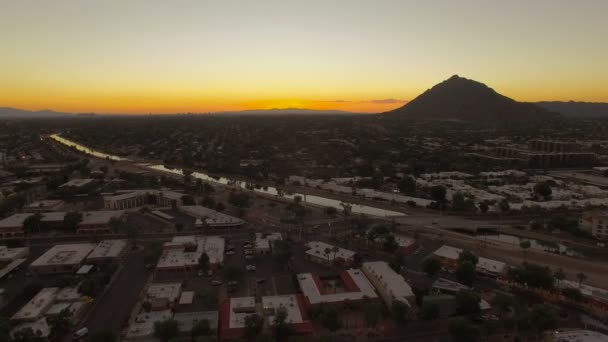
(595, 223)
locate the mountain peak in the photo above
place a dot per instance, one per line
(464, 99)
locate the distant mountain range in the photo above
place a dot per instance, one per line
(288, 111)
(7, 112)
(458, 98)
(577, 109)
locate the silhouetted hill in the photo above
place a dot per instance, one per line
(577, 109)
(458, 98)
(7, 112)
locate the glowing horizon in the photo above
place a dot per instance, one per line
(200, 56)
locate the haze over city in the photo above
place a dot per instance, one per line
(360, 56)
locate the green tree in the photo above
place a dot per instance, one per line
(200, 328)
(581, 278)
(232, 273)
(559, 276)
(32, 223)
(467, 303)
(60, 324)
(466, 273)
(399, 311)
(71, 220)
(102, 336)
(429, 311)
(219, 206)
(525, 245)
(543, 189)
(203, 262)
(431, 267)
(282, 252)
(504, 205)
(438, 193)
(166, 330)
(533, 275)
(282, 329)
(543, 317)
(573, 294)
(330, 319)
(407, 185)
(330, 211)
(462, 330)
(253, 325)
(468, 256)
(373, 314)
(239, 199)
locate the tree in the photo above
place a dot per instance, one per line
(460, 202)
(327, 252)
(468, 256)
(467, 303)
(219, 206)
(462, 330)
(581, 278)
(466, 273)
(330, 319)
(559, 276)
(32, 223)
(282, 329)
(431, 267)
(573, 294)
(102, 336)
(330, 211)
(438, 193)
(533, 275)
(187, 176)
(484, 207)
(239, 199)
(282, 252)
(543, 189)
(203, 262)
(543, 317)
(5, 329)
(115, 225)
(399, 311)
(253, 325)
(166, 330)
(60, 324)
(503, 301)
(407, 185)
(373, 314)
(429, 311)
(232, 273)
(390, 243)
(188, 200)
(525, 245)
(504, 205)
(200, 328)
(71, 220)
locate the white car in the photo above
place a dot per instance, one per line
(248, 257)
(216, 283)
(250, 268)
(230, 253)
(80, 333)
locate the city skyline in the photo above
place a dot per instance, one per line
(142, 57)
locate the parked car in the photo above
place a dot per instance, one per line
(216, 282)
(230, 253)
(200, 273)
(80, 333)
(248, 257)
(250, 268)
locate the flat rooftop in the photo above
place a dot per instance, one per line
(38, 305)
(317, 249)
(44, 204)
(128, 194)
(579, 335)
(390, 280)
(187, 320)
(108, 249)
(77, 183)
(8, 254)
(175, 256)
(100, 217)
(169, 291)
(143, 325)
(212, 217)
(356, 285)
(484, 264)
(289, 303)
(70, 254)
(240, 308)
(262, 241)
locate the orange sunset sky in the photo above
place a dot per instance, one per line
(136, 56)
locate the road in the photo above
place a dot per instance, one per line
(113, 308)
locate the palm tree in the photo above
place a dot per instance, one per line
(525, 245)
(581, 278)
(559, 276)
(327, 251)
(335, 249)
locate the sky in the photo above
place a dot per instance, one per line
(132, 56)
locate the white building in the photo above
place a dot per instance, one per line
(77, 184)
(163, 296)
(39, 327)
(326, 254)
(183, 253)
(354, 284)
(143, 324)
(137, 198)
(264, 242)
(579, 335)
(62, 258)
(212, 218)
(37, 306)
(391, 286)
(44, 206)
(449, 256)
(108, 250)
(595, 223)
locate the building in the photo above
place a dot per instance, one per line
(162, 296)
(142, 327)
(108, 251)
(234, 311)
(553, 146)
(264, 242)
(62, 259)
(601, 171)
(98, 222)
(12, 226)
(187, 320)
(138, 198)
(45, 168)
(351, 285)
(594, 296)
(44, 206)
(37, 306)
(595, 223)
(390, 285)
(40, 328)
(210, 217)
(449, 255)
(577, 335)
(11, 258)
(77, 185)
(326, 254)
(183, 253)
